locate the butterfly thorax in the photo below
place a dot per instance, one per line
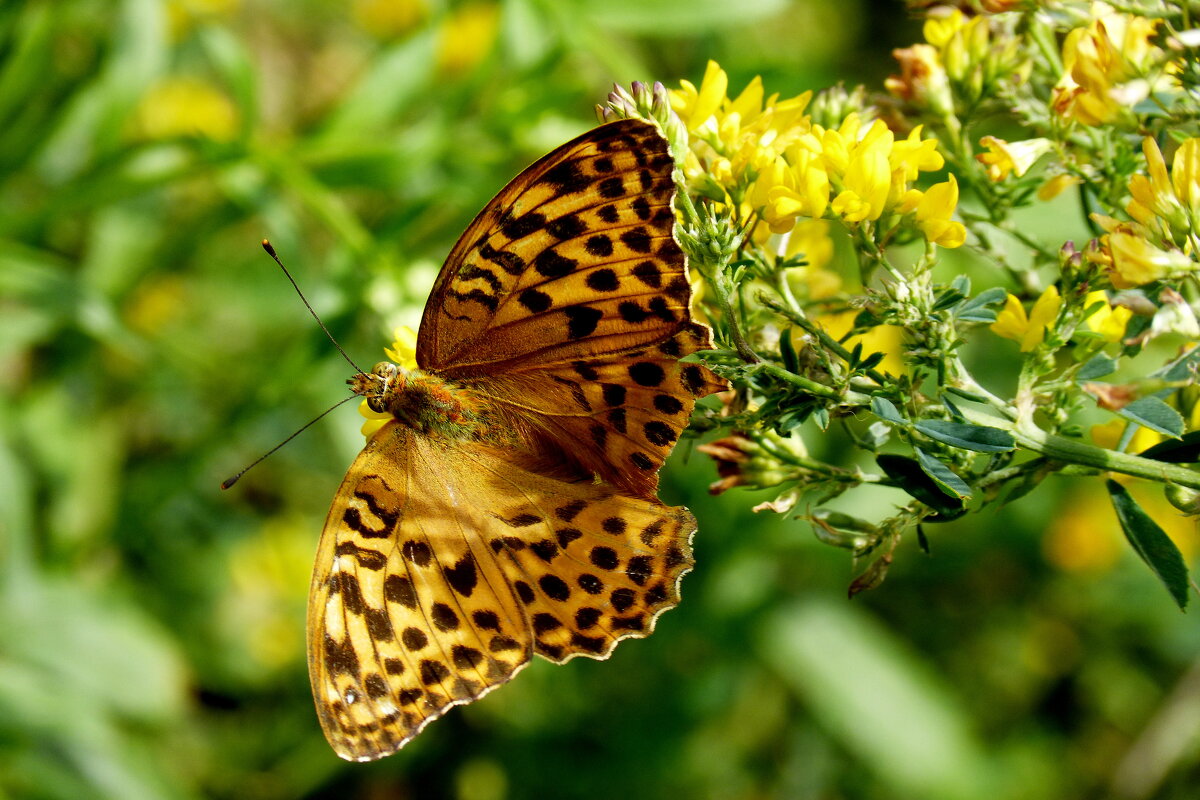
(421, 400)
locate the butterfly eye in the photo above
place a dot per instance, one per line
(376, 404)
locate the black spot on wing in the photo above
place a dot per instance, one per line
(582, 320)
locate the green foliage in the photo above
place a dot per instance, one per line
(151, 643)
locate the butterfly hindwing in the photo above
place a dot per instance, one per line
(575, 258)
(445, 564)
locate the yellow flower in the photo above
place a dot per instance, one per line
(1136, 261)
(867, 176)
(186, 107)
(403, 353)
(1168, 203)
(736, 150)
(1056, 186)
(1029, 330)
(467, 36)
(695, 106)
(1109, 321)
(933, 214)
(914, 155)
(388, 19)
(1004, 158)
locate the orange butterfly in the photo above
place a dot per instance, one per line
(510, 507)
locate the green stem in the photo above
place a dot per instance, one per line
(810, 327)
(810, 386)
(1069, 451)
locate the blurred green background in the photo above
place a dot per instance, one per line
(151, 626)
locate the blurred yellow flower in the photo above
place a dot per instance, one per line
(1010, 158)
(1083, 535)
(922, 80)
(179, 107)
(403, 353)
(1029, 330)
(1109, 321)
(940, 28)
(886, 339)
(1057, 185)
(810, 239)
(1105, 65)
(268, 582)
(1109, 434)
(467, 36)
(388, 19)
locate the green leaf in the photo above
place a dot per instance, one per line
(942, 475)
(884, 409)
(978, 308)
(922, 539)
(979, 438)
(1151, 543)
(879, 697)
(1185, 450)
(1097, 366)
(788, 351)
(1181, 368)
(1152, 413)
(909, 476)
(966, 395)
(948, 297)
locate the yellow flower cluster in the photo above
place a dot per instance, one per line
(1107, 66)
(1030, 329)
(769, 158)
(1164, 237)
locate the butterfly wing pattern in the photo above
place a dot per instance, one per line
(447, 561)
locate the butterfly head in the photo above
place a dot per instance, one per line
(378, 386)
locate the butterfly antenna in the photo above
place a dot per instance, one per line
(231, 481)
(271, 252)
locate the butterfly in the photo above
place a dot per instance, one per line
(509, 505)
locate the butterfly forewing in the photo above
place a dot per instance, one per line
(617, 416)
(575, 258)
(443, 565)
